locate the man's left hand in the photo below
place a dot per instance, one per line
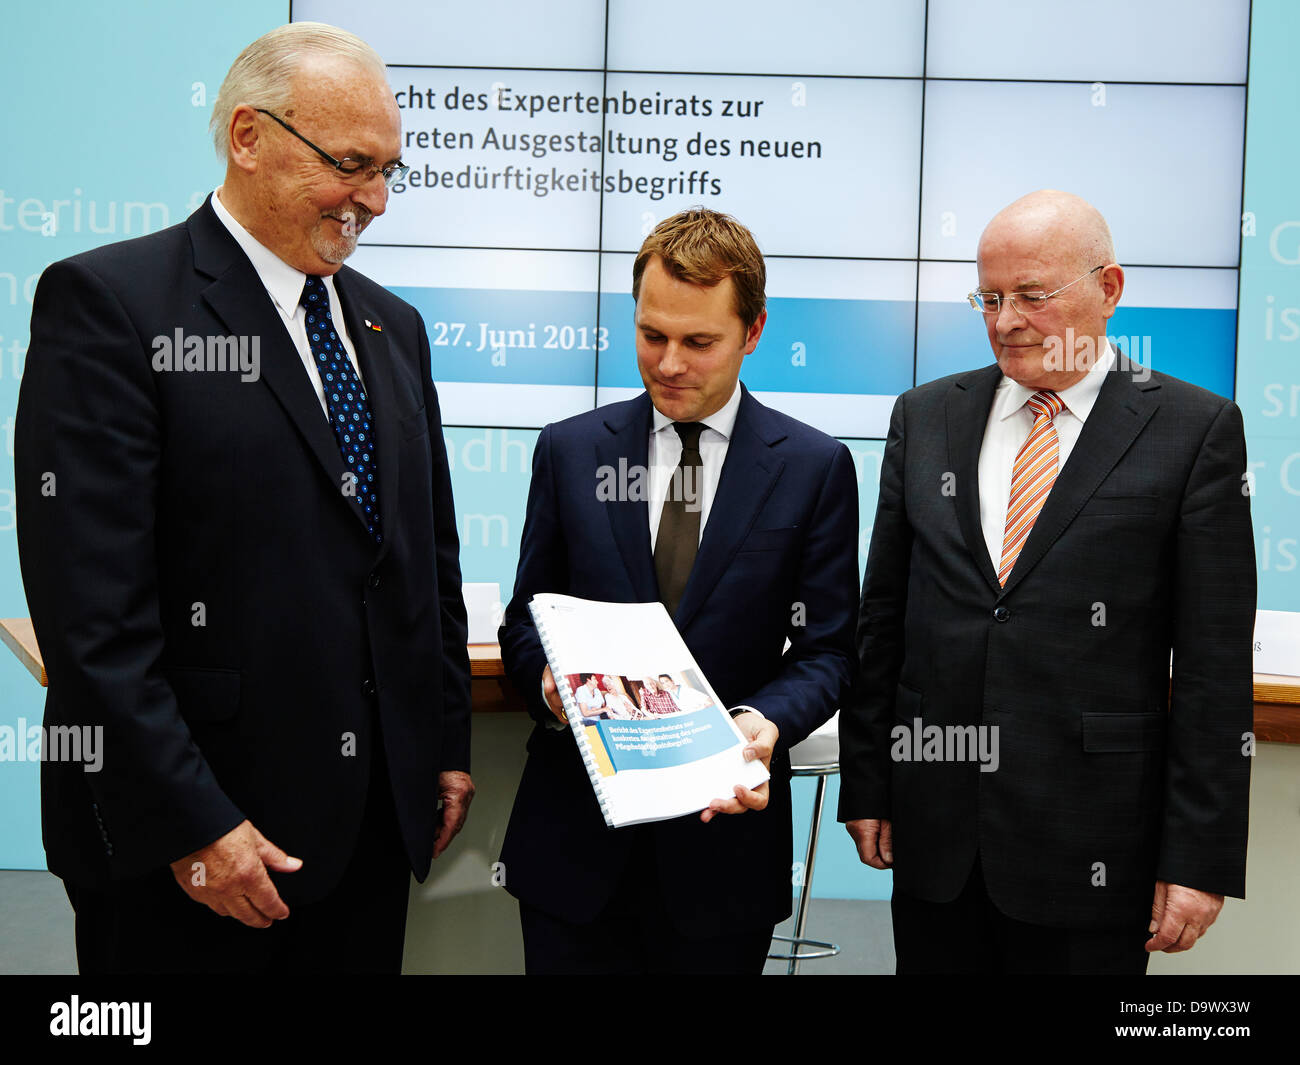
(1179, 917)
(762, 736)
(456, 790)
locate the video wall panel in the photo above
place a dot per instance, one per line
(866, 144)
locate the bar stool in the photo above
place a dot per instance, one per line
(817, 756)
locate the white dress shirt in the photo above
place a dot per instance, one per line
(664, 455)
(284, 285)
(1006, 432)
(666, 452)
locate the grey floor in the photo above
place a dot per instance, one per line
(862, 930)
(35, 925)
(36, 931)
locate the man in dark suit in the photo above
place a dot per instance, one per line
(763, 549)
(239, 548)
(1050, 529)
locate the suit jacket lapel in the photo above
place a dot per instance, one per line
(749, 474)
(238, 297)
(1122, 410)
(375, 359)
(625, 449)
(968, 411)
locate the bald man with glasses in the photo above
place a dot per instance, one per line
(1051, 529)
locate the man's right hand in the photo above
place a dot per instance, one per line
(875, 840)
(229, 876)
(552, 695)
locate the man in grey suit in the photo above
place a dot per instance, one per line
(1050, 530)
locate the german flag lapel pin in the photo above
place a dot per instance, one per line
(374, 325)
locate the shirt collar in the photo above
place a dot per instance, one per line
(721, 421)
(284, 283)
(1079, 398)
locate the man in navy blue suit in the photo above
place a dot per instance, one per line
(259, 606)
(747, 535)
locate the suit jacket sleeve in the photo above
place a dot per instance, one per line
(817, 669)
(87, 458)
(868, 715)
(456, 706)
(1207, 781)
(543, 567)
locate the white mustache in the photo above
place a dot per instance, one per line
(360, 217)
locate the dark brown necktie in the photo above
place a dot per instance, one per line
(678, 538)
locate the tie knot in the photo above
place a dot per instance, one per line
(1045, 403)
(690, 434)
(313, 293)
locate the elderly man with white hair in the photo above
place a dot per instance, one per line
(247, 572)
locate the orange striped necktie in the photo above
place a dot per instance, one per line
(1032, 477)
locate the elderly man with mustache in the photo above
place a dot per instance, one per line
(246, 571)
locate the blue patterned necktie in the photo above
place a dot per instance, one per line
(345, 400)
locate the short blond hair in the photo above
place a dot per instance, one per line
(262, 75)
(703, 247)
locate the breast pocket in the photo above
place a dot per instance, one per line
(1105, 505)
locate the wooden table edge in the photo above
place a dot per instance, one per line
(1277, 698)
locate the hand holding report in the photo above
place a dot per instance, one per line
(762, 736)
(656, 740)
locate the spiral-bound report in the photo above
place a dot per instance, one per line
(655, 739)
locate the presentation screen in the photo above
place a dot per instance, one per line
(866, 144)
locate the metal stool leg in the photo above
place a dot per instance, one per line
(799, 940)
(805, 892)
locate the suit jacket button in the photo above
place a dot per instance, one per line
(374, 580)
(1001, 614)
(367, 687)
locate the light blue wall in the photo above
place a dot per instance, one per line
(106, 110)
(1268, 333)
